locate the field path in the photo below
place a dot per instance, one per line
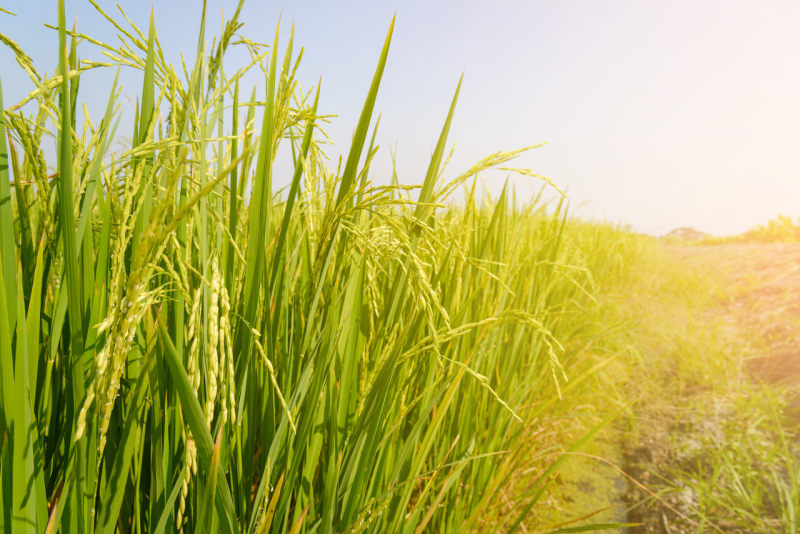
(759, 298)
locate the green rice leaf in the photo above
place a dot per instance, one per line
(362, 128)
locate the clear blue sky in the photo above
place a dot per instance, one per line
(658, 114)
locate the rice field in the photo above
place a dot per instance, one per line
(187, 346)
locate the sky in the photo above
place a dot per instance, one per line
(655, 114)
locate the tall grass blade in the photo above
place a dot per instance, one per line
(362, 127)
(7, 239)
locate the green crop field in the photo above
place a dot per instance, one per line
(185, 346)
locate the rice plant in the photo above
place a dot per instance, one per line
(187, 347)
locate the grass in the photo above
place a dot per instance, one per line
(185, 346)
